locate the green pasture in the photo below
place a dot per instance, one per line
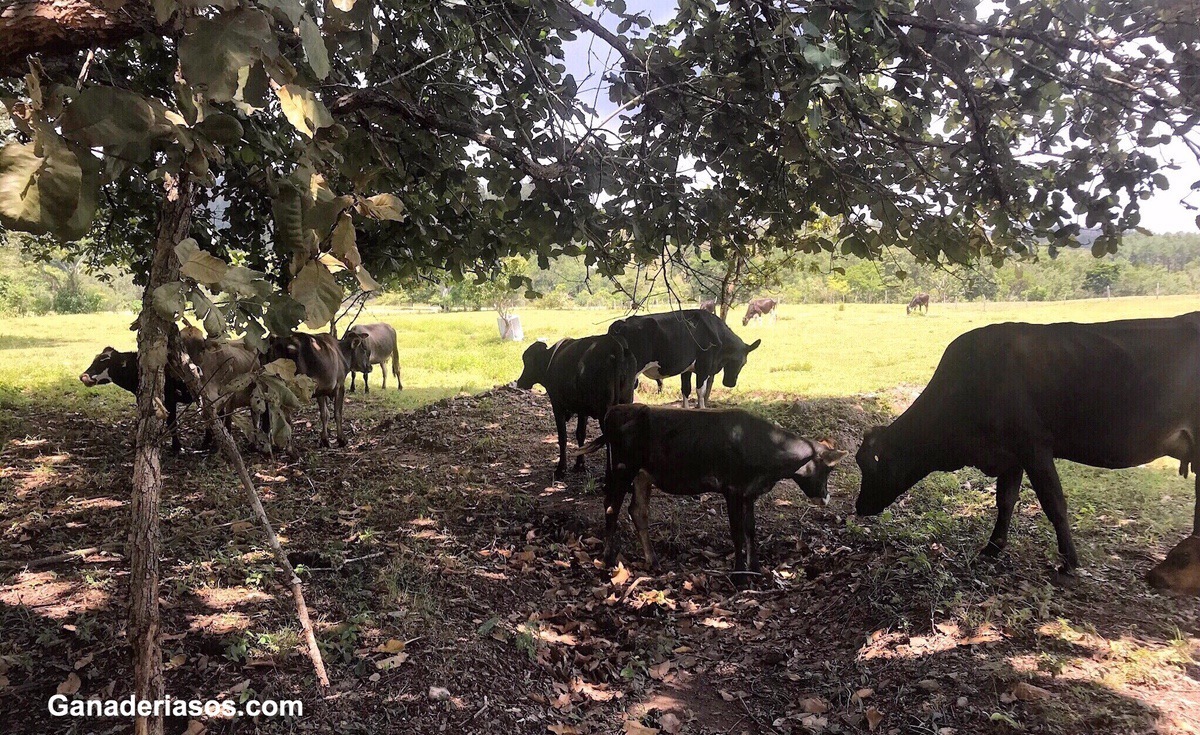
(812, 350)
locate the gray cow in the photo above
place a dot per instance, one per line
(364, 345)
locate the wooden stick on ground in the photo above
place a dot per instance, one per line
(234, 455)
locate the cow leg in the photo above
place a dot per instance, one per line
(339, 401)
(708, 389)
(560, 423)
(751, 538)
(660, 384)
(323, 405)
(615, 489)
(639, 512)
(1044, 478)
(353, 375)
(737, 530)
(383, 369)
(1008, 489)
(367, 383)
(685, 385)
(580, 438)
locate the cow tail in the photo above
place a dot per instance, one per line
(396, 359)
(592, 446)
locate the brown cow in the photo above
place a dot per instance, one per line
(221, 363)
(1180, 571)
(709, 305)
(364, 345)
(920, 301)
(758, 308)
(319, 356)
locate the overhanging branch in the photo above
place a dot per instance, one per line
(56, 28)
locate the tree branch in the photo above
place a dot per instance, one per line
(431, 120)
(55, 28)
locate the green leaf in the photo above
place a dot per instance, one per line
(314, 47)
(343, 243)
(221, 128)
(383, 206)
(207, 311)
(163, 10)
(303, 110)
(287, 209)
(199, 265)
(316, 288)
(40, 184)
(213, 49)
(105, 117)
(365, 281)
(289, 10)
(169, 299)
(283, 315)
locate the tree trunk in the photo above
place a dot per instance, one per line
(175, 216)
(55, 28)
(733, 273)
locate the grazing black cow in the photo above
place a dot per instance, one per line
(709, 305)
(729, 451)
(920, 301)
(583, 377)
(121, 369)
(682, 342)
(758, 308)
(364, 345)
(319, 356)
(1010, 398)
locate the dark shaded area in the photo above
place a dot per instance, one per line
(487, 570)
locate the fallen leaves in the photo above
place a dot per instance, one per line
(1025, 692)
(439, 694)
(391, 646)
(670, 723)
(621, 576)
(874, 717)
(71, 685)
(564, 729)
(814, 705)
(633, 727)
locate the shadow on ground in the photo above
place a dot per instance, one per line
(446, 541)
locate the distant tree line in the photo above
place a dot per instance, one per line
(1144, 265)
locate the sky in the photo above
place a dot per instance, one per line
(1166, 211)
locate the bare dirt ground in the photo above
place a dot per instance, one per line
(456, 589)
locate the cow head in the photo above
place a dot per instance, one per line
(1180, 571)
(813, 477)
(100, 372)
(886, 473)
(537, 361)
(735, 360)
(357, 351)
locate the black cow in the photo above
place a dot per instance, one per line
(682, 342)
(121, 369)
(729, 451)
(583, 377)
(1010, 398)
(319, 356)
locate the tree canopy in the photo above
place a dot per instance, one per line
(917, 125)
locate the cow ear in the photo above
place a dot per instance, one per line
(832, 456)
(753, 345)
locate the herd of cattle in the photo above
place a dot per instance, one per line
(1007, 399)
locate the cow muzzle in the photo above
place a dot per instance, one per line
(87, 380)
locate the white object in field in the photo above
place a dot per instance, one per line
(510, 328)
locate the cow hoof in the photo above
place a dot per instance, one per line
(560, 473)
(579, 467)
(992, 550)
(342, 443)
(1064, 577)
(741, 580)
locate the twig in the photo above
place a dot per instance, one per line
(47, 561)
(229, 447)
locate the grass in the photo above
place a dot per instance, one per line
(813, 350)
